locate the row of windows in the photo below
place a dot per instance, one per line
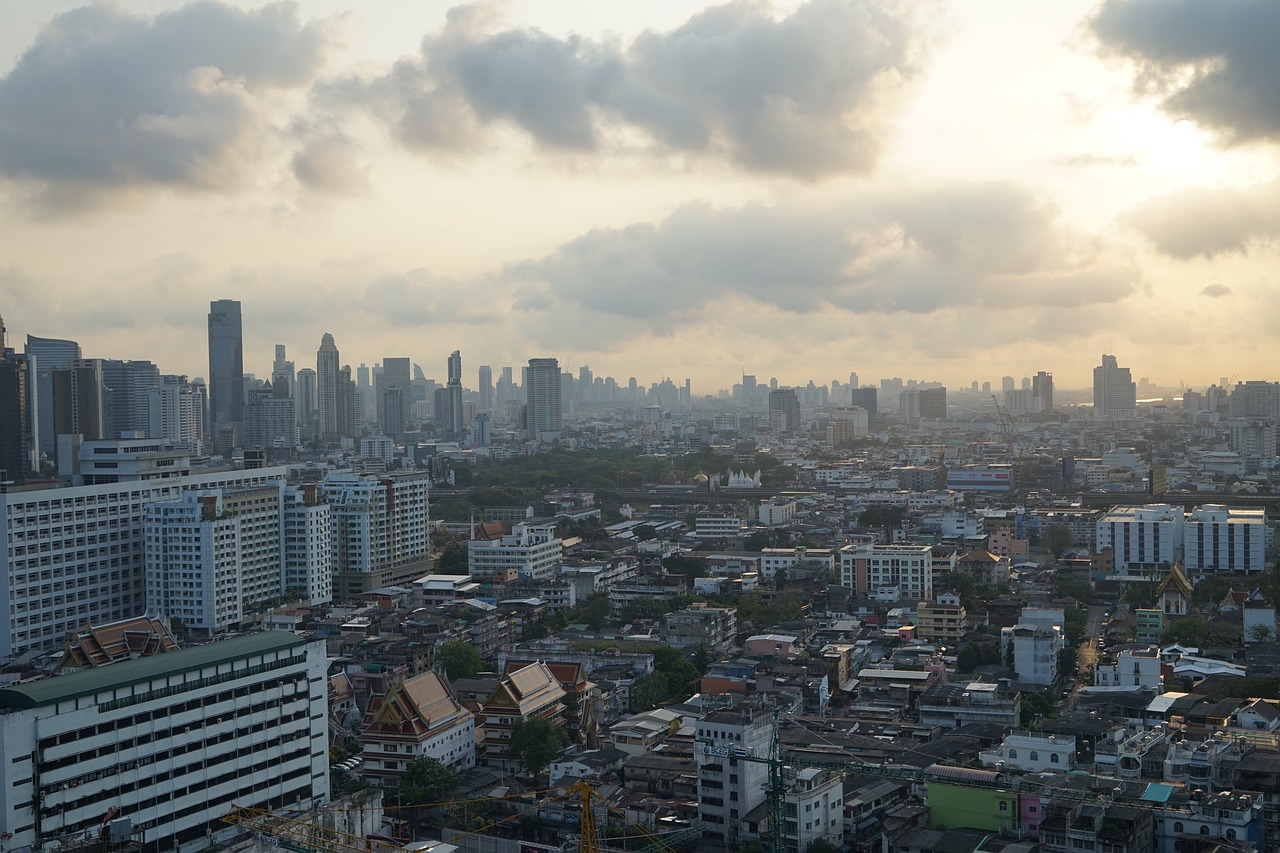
(201, 683)
(216, 805)
(76, 800)
(146, 737)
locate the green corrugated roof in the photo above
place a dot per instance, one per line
(87, 682)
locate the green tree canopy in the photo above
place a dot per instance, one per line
(594, 611)
(884, 517)
(534, 742)
(1187, 631)
(1058, 538)
(973, 655)
(459, 659)
(425, 781)
(649, 691)
(453, 560)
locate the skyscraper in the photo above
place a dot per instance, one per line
(485, 382)
(449, 400)
(1042, 389)
(1114, 393)
(394, 397)
(45, 355)
(77, 400)
(306, 408)
(125, 388)
(327, 366)
(542, 392)
(226, 365)
(784, 411)
(282, 370)
(15, 420)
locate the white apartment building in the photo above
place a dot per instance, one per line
(1140, 536)
(776, 513)
(1036, 641)
(76, 555)
(1032, 752)
(728, 788)
(175, 412)
(717, 527)
(1135, 668)
(531, 551)
(214, 557)
(164, 745)
(813, 810)
(873, 568)
(379, 530)
(787, 559)
(308, 545)
(1217, 538)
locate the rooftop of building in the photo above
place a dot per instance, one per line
(50, 691)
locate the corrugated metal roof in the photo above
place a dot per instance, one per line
(50, 691)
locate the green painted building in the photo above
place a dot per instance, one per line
(952, 805)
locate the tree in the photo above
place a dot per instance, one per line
(649, 691)
(690, 567)
(459, 659)
(973, 655)
(1034, 704)
(534, 742)
(594, 611)
(821, 845)
(1261, 634)
(757, 541)
(680, 673)
(426, 780)
(1188, 631)
(453, 559)
(645, 532)
(1058, 539)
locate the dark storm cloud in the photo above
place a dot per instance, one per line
(802, 95)
(104, 99)
(921, 251)
(1216, 63)
(1205, 221)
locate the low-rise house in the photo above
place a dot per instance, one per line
(1032, 752)
(595, 764)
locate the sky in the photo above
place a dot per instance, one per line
(935, 190)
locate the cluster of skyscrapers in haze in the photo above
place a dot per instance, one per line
(51, 390)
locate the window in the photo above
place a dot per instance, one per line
(1177, 826)
(1204, 829)
(1013, 753)
(1035, 756)
(1053, 758)
(1004, 806)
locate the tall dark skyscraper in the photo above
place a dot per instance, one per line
(226, 365)
(395, 399)
(542, 392)
(45, 355)
(485, 382)
(449, 400)
(784, 410)
(1042, 388)
(15, 420)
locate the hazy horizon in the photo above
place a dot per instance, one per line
(938, 191)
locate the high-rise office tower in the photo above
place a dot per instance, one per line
(485, 381)
(1007, 383)
(784, 411)
(348, 417)
(15, 420)
(448, 400)
(226, 365)
(1114, 393)
(327, 367)
(45, 355)
(283, 370)
(125, 389)
(77, 400)
(864, 398)
(1042, 390)
(933, 403)
(306, 408)
(394, 395)
(542, 392)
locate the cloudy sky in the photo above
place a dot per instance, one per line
(938, 190)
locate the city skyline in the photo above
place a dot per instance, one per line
(953, 192)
